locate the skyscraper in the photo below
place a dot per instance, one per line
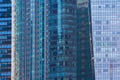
(85, 66)
(44, 40)
(5, 39)
(105, 17)
(28, 39)
(61, 40)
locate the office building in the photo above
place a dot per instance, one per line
(60, 39)
(44, 40)
(85, 65)
(28, 40)
(105, 19)
(104, 22)
(5, 39)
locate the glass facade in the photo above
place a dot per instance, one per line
(61, 41)
(58, 40)
(105, 16)
(28, 40)
(85, 66)
(44, 40)
(5, 39)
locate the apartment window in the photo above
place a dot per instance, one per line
(98, 32)
(113, 6)
(105, 70)
(99, 6)
(107, 5)
(97, 22)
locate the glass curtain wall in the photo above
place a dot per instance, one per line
(28, 38)
(60, 24)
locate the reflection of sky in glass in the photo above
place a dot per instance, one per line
(106, 38)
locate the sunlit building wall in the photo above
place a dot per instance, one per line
(105, 17)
